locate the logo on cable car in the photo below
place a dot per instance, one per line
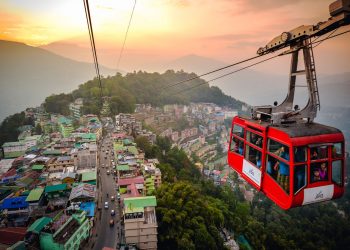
(252, 172)
(317, 194)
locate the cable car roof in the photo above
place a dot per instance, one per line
(298, 129)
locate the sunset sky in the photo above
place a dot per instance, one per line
(225, 30)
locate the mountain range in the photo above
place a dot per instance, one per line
(29, 74)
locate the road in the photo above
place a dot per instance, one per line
(107, 236)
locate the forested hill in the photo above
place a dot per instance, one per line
(141, 87)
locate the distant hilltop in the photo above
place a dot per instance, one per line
(29, 74)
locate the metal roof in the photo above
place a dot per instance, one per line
(88, 176)
(39, 224)
(35, 194)
(136, 204)
(55, 188)
(15, 203)
(298, 129)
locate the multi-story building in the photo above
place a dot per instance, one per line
(85, 158)
(31, 141)
(75, 108)
(140, 222)
(60, 164)
(14, 149)
(69, 236)
(65, 126)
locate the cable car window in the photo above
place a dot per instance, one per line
(236, 145)
(278, 170)
(320, 152)
(253, 156)
(279, 149)
(318, 172)
(238, 130)
(255, 139)
(299, 177)
(337, 172)
(337, 151)
(300, 154)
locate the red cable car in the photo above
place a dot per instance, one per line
(280, 150)
(293, 165)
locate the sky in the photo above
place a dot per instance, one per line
(163, 30)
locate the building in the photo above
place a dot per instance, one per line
(140, 222)
(14, 149)
(85, 158)
(60, 164)
(16, 210)
(89, 177)
(35, 198)
(75, 108)
(31, 141)
(69, 236)
(65, 126)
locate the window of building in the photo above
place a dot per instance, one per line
(255, 139)
(279, 171)
(337, 150)
(236, 145)
(300, 174)
(253, 155)
(300, 154)
(238, 130)
(318, 171)
(337, 173)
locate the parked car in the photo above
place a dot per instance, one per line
(106, 204)
(112, 198)
(112, 212)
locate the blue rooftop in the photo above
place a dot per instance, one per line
(89, 207)
(15, 203)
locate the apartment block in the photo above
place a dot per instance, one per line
(140, 222)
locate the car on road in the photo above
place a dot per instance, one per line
(112, 198)
(106, 204)
(108, 172)
(112, 212)
(111, 223)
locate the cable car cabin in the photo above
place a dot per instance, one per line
(293, 165)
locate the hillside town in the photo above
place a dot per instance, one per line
(68, 178)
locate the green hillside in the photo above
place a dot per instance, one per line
(141, 87)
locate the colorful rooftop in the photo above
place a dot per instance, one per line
(15, 203)
(38, 167)
(129, 181)
(55, 188)
(124, 167)
(88, 176)
(137, 204)
(39, 224)
(35, 194)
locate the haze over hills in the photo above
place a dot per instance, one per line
(50, 73)
(29, 74)
(251, 86)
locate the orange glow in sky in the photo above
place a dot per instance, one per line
(225, 30)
